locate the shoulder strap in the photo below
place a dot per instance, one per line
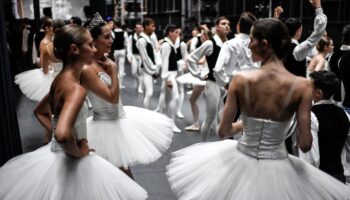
(289, 96)
(246, 92)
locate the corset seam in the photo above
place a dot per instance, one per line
(261, 129)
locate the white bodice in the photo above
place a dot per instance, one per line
(56, 68)
(103, 110)
(263, 139)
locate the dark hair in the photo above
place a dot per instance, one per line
(117, 23)
(346, 34)
(324, 41)
(147, 22)
(246, 22)
(325, 81)
(64, 38)
(170, 28)
(48, 22)
(293, 24)
(219, 19)
(96, 30)
(137, 23)
(275, 32)
(58, 23)
(76, 20)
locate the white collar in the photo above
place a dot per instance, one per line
(324, 101)
(218, 40)
(148, 39)
(169, 41)
(135, 36)
(177, 42)
(294, 41)
(345, 47)
(118, 30)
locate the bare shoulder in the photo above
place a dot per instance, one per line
(302, 83)
(241, 77)
(72, 89)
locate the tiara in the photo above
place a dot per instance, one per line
(95, 21)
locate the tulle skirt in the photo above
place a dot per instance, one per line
(189, 79)
(43, 174)
(139, 138)
(34, 84)
(218, 171)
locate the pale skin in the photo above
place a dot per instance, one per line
(90, 79)
(65, 100)
(89, 76)
(318, 61)
(47, 56)
(44, 52)
(268, 87)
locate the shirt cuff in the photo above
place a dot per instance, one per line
(319, 11)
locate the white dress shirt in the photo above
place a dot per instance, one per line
(234, 56)
(165, 51)
(149, 66)
(312, 156)
(129, 45)
(206, 49)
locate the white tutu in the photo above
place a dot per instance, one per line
(139, 138)
(218, 171)
(43, 174)
(188, 78)
(34, 84)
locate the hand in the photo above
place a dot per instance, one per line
(169, 84)
(315, 3)
(277, 12)
(84, 147)
(108, 65)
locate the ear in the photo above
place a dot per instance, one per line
(319, 93)
(264, 43)
(74, 49)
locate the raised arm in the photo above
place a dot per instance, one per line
(301, 51)
(227, 128)
(90, 79)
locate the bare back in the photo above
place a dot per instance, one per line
(271, 93)
(66, 94)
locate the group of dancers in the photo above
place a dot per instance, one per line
(90, 157)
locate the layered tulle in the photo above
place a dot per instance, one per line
(34, 84)
(138, 138)
(218, 171)
(43, 174)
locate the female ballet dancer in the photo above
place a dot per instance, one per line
(258, 165)
(66, 168)
(318, 62)
(123, 135)
(35, 84)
